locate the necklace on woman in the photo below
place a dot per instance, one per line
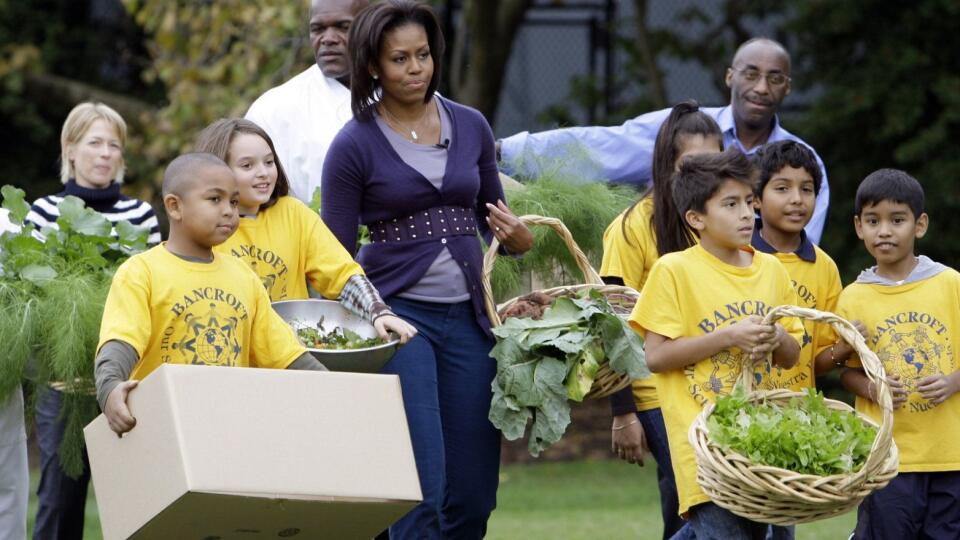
(393, 119)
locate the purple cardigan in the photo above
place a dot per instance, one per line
(365, 180)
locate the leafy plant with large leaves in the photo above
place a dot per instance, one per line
(541, 363)
(53, 287)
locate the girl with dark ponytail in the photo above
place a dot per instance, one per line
(649, 228)
(686, 131)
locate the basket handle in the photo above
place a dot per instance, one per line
(590, 275)
(872, 366)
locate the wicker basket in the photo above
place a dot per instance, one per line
(774, 495)
(622, 298)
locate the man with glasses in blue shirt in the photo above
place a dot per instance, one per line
(759, 80)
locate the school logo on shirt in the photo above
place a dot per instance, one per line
(767, 376)
(717, 375)
(268, 265)
(913, 345)
(807, 299)
(804, 294)
(205, 330)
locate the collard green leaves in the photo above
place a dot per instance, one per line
(541, 364)
(75, 216)
(13, 200)
(803, 436)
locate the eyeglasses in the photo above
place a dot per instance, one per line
(752, 75)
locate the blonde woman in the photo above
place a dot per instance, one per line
(92, 167)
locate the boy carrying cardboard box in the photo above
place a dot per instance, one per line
(179, 303)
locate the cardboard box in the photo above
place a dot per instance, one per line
(222, 453)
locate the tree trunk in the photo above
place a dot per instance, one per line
(489, 27)
(649, 58)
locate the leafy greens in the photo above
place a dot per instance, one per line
(803, 436)
(543, 363)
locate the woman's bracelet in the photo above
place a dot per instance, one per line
(618, 428)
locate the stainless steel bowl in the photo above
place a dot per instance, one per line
(308, 312)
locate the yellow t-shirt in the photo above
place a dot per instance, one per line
(286, 245)
(631, 260)
(175, 311)
(818, 287)
(913, 329)
(692, 293)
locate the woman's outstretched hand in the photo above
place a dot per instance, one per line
(512, 233)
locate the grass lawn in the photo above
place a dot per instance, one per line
(578, 500)
(598, 499)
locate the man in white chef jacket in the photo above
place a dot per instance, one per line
(304, 114)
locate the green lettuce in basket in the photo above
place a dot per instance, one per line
(543, 363)
(803, 435)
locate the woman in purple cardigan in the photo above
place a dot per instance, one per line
(420, 172)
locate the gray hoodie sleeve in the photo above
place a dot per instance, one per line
(114, 364)
(306, 361)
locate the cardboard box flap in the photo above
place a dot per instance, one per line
(341, 428)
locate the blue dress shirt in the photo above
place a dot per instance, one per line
(624, 154)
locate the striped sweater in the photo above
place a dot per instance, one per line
(109, 202)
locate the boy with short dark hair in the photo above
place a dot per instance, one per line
(910, 307)
(789, 183)
(701, 314)
(179, 303)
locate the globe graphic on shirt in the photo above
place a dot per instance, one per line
(912, 355)
(211, 346)
(716, 377)
(211, 339)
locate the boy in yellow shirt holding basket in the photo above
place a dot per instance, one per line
(701, 315)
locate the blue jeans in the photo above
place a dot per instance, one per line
(773, 532)
(782, 532)
(710, 522)
(912, 505)
(60, 499)
(445, 374)
(656, 434)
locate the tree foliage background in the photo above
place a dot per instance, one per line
(890, 81)
(882, 80)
